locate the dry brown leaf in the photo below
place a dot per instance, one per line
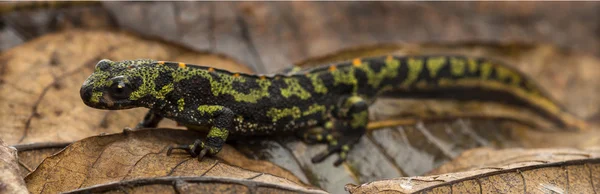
(489, 158)
(261, 184)
(31, 155)
(505, 171)
(142, 154)
(40, 82)
(10, 180)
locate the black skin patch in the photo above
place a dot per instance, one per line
(335, 97)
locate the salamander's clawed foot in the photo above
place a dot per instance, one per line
(177, 147)
(202, 154)
(342, 151)
(194, 150)
(316, 137)
(197, 149)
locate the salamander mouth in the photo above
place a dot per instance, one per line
(86, 94)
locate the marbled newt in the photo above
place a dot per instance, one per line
(335, 97)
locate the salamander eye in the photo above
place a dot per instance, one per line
(119, 90)
(103, 65)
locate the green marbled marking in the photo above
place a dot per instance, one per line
(275, 114)
(225, 84)
(434, 65)
(486, 70)
(209, 109)
(180, 104)
(96, 97)
(390, 70)
(472, 65)
(414, 69)
(318, 85)
(359, 119)
(294, 89)
(505, 73)
(345, 77)
(148, 76)
(315, 108)
(328, 125)
(100, 77)
(218, 132)
(352, 100)
(457, 66)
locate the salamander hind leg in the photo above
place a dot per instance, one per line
(340, 134)
(222, 119)
(311, 136)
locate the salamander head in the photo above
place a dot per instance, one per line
(116, 84)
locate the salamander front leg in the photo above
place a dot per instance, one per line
(222, 120)
(345, 131)
(151, 120)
